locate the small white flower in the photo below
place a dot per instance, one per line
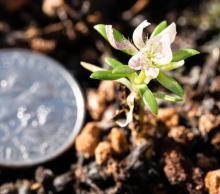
(151, 73)
(147, 53)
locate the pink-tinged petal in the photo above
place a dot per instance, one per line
(138, 61)
(124, 44)
(151, 73)
(138, 34)
(160, 49)
(170, 31)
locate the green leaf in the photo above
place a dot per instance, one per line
(123, 69)
(170, 84)
(118, 36)
(113, 62)
(184, 54)
(168, 97)
(100, 28)
(148, 98)
(118, 67)
(159, 28)
(90, 66)
(106, 75)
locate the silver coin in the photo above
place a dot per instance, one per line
(41, 108)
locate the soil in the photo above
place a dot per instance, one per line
(176, 152)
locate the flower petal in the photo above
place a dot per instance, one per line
(173, 65)
(139, 61)
(123, 44)
(138, 34)
(160, 48)
(170, 31)
(151, 73)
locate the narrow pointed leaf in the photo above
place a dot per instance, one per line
(106, 75)
(123, 69)
(167, 97)
(113, 62)
(100, 28)
(159, 28)
(184, 54)
(148, 99)
(169, 83)
(90, 66)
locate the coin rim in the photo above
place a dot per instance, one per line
(80, 103)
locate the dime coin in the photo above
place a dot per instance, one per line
(41, 108)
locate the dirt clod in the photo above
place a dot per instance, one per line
(196, 184)
(207, 122)
(174, 169)
(212, 181)
(61, 182)
(180, 134)
(95, 103)
(215, 86)
(43, 175)
(206, 162)
(8, 188)
(118, 140)
(165, 154)
(215, 141)
(107, 88)
(169, 116)
(88, 139)
(50, 7)
(43, 45)
(103, 152)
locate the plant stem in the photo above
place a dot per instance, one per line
(141, 111)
